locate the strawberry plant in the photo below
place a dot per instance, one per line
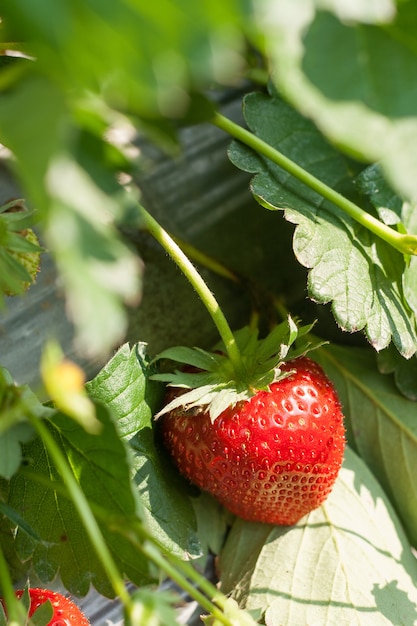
(256, 409)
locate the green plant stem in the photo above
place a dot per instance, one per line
(220, 607)
(206, 586)
(193, 276)
(407, 244)
(212, 599)
(83, 508)
(15, 612)
(152, 553)
(181, 572)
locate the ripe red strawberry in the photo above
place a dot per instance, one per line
(273, 457)
(66, 613)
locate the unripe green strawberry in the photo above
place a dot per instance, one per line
(19, 249)
(29, 260)
(271, 458)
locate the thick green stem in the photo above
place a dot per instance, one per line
(231, 614)
(152, 553)
(193, 276)
(15, 612)
(217, 597)
(83, 508)
(407, 244)
(224, 610)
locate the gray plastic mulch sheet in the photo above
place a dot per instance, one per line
(103, 612)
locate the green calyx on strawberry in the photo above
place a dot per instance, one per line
(48, 608)
(266, 441)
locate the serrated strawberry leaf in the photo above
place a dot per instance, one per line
(17, 569)
(360, 276)
(101, 465)
(404, 371)
(318, 60)
(346, 562)
(393, 210)
(372, 183)
(124, 385)
(381, 425)
(18, 521)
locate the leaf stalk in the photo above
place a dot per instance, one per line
(83, 508)
(16, 614)
(224, 610)
(201, 288)
(404, 243)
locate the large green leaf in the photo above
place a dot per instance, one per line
(99, 270)
(405, 372)
(394, 211)
(27, 135)
(124, 386)
(391, 209)
(354, 75)
(17, 569)
(91, 60)
(361, 276)
(135, 58)
(72, 187)
(100, 464)
(347, 562)
(16, 403)
(140, 57)
(382, 425)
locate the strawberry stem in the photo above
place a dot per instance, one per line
(164, 565)
(195, 279)
(15, 611)
(221, 608)
(404, 243)
(233, 614)
(83, 508)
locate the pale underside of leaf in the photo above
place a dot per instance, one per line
(346, 563)
(362, 278)
(382, 425)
